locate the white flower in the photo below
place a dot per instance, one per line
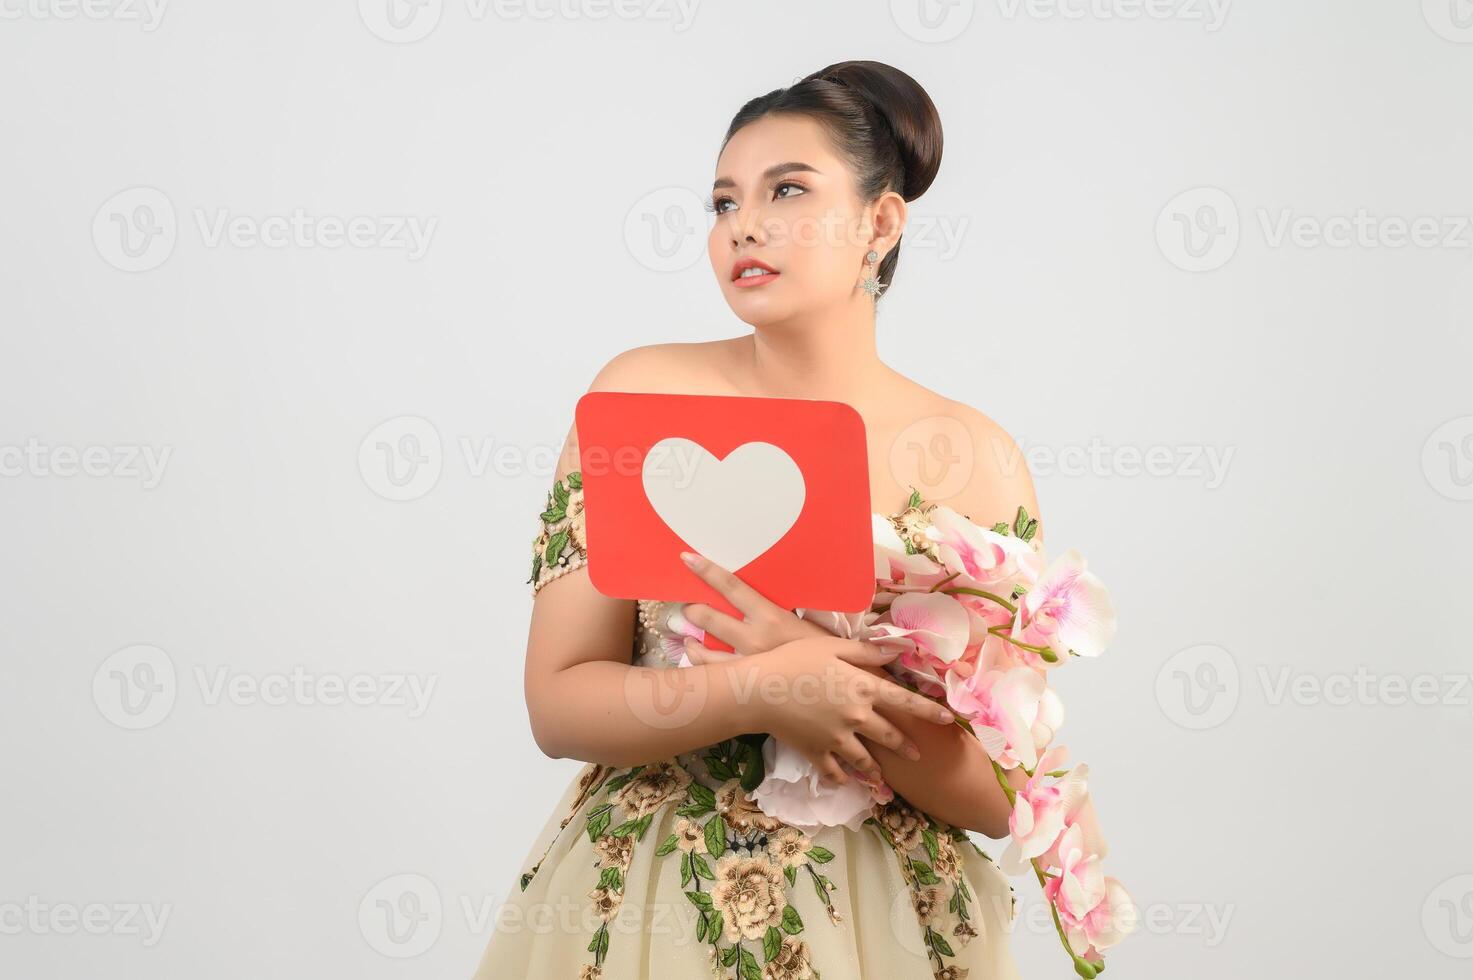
(790, 791)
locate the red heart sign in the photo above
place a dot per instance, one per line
(773, 489)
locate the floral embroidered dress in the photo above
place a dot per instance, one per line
(669, 870)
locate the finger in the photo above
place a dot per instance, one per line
(862, 653)
(830, 772)
(891, 694)
(730, 630)
(881, 731)
(852, 750)
(746, 599)
(698, 653)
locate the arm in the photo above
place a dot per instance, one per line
(585, 700)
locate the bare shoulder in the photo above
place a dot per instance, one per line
(998, 482)
(669, 368)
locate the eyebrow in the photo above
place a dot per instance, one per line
(770, 173)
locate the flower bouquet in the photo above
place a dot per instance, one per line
(981, 619)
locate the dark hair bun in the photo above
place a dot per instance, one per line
(906, 110)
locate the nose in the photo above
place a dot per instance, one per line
(746, 227)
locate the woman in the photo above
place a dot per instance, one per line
(657, 863)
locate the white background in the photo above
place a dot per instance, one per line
(556, 155)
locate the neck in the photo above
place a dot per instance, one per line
(829, 355)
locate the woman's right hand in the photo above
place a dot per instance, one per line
(818, 695)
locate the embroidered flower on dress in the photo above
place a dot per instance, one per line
(615, 852)
(690, 836)
(790, 846)
(904, 823)
(606, 902)
(791, 962)
(651, 789)
(741, 813)
(749, 894)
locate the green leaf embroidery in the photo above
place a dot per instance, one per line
(750, 969)
(924, 874)
(729, 955)
(792, 921)
(686, 874)
(939, 943)
(598, 821)
(820, 854)
(772, 944)
(716, 837)
(915, 498)
(555, 545)
(700, 900)
(575, 479)
(702, 868)
(703, 795)
(666, 846)
(791, 873)
(611, 878)
(928, 836)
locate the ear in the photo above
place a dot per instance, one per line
(888, 223)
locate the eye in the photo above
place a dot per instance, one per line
(790, 183)
(714, 204)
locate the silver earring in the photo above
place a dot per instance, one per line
(871, 283)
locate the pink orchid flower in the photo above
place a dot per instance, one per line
(981, 554)
(1040, 808)
(1002, 706)
(1067, 609)
(1095, 909)
(933, 631)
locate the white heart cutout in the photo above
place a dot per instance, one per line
(730, 510)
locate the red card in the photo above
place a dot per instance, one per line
(773, 489)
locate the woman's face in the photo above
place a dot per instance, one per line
(783, 199)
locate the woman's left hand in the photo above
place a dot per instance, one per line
(764, 626)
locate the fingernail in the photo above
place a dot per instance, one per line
(912, 753)
(946, 716)
(690, 558)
